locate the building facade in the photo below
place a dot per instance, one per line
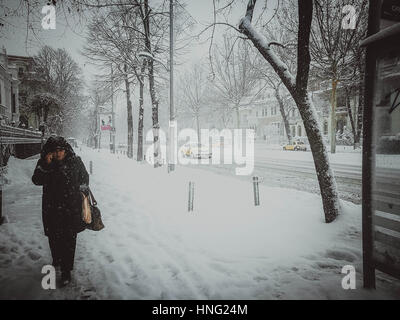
(29, 85)
(9, 91)
(264, 116)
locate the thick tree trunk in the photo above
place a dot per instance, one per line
(284, 115)
(141, 113)
(129, 113)
(298, 89)
(153, 96)
(350, 113)
(333, 115)
(154, 115)
(326, 179)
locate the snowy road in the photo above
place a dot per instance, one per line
(152, 248)
(295, 170)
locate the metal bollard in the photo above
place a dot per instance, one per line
(191, 196)
(256, 191)
(91, 167)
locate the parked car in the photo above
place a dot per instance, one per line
(296, 146)
(196, 151)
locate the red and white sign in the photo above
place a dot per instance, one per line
(105, 122)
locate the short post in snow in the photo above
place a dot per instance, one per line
(191, 196)
(91, 167)
(256, 191)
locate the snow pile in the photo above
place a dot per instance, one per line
(153, 248)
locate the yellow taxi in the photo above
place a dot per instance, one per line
(296, 146)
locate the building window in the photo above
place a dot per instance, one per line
(299, 131)
(264, 112)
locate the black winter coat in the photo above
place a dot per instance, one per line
(62, 184)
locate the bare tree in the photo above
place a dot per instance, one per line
(270, 78)
(109, 40)
(194, 86)
(234, 76)
(331, 47)
(61, 79)
(97, 97)
(297, 86)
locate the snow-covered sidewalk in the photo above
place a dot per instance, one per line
(153, 248)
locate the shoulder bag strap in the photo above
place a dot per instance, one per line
(94, 202)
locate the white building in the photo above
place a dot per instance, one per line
(9, 95)
(264, 116)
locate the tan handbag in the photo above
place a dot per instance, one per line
(86, 211)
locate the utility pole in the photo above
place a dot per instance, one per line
(172, 123)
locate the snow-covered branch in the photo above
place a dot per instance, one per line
(263, 46)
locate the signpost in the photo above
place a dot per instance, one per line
(381, 143)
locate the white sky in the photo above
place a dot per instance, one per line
(73, 39)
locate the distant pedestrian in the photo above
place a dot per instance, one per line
(63, 177)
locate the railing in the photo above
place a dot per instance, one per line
(12, 135)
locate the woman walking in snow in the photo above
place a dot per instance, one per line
(63, 177)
